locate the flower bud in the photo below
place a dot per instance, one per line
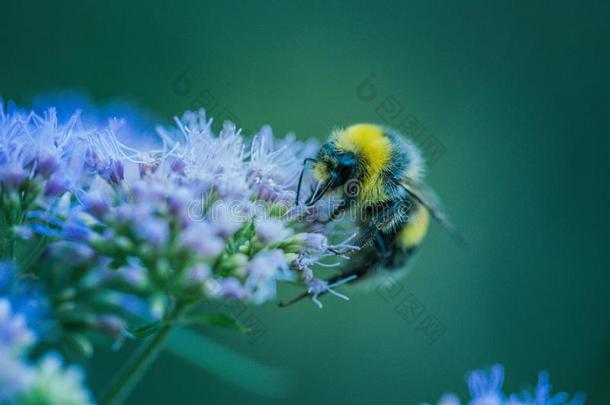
(96, 203)
(110, 325)
(117, 172)
(178, 166)
(46, 164)
(271, 230)
(12, 176)
(315, 241)
(311, 242)
(56, 186)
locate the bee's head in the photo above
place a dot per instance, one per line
(332, 169)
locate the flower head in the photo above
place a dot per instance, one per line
(271, 230)
(263, 271)
(55, 384)
(485, 388)
(14, 333)
(15, 376)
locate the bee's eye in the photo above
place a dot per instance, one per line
(345, 165)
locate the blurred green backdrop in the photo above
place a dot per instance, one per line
(515, 92)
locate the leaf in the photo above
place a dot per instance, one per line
(216, 319)
(229, 365)
(145, 331)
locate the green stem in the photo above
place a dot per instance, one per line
(137, 365)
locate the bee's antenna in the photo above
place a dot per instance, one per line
(301, 177)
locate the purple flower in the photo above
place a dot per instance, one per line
(180, 202)
(56, 384)
(33, 145)
(26, 301)
(46, 164)
(96, 203)
(147, 168)
(314, 242)
(12, 176)
(199, 273)
(316, 287)
(131, 304)
(132, 274)
(14, 333)
(271, 230)
(113, 171)
(264, 269)
(193, 196)
(92, 160)
(228, 218)
(15, 377)
(203, 239)
(273, 166)
(229, 287)
(485, 388)
(178, 166)
(153, 230)
(110, 325)
(56, 185)
(75, 230)
(543, 394)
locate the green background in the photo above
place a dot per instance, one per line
(517, 94)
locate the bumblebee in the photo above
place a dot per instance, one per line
(380, 175)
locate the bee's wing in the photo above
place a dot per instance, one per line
(429, 199)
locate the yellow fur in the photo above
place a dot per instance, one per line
(415, 230)
(369, 142)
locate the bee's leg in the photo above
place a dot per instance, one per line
(366, 236)
(359, 271)
(381, 245)
(393, 214)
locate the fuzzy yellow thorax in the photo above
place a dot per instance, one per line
(370, 143)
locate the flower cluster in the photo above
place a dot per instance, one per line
(486, 389)
(99, 237)
(45, 381)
